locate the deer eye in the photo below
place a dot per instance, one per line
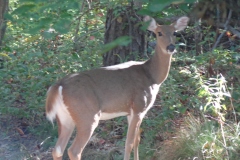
(174, 33)
(159, 33)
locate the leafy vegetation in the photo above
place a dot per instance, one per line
(200, 105)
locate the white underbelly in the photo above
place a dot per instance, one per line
(106, 116)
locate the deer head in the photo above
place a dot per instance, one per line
(166, 34)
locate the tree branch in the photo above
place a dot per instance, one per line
(225, 29)
(231, 29)
(79, 19)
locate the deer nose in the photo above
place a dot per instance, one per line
(171, 48)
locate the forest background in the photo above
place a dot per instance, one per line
(197, 112)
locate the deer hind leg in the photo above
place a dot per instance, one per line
(64, 133)
(133, 136)
(85, 128)
(137, 141)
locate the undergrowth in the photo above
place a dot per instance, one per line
(204, 140)
(211, 131)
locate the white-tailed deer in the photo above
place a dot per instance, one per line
(129, 89)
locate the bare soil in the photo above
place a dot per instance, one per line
(16, 141)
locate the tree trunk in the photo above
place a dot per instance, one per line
(3, 10)
(123, 21)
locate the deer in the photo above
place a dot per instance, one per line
(81, 100)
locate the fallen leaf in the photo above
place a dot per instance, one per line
(20, 131)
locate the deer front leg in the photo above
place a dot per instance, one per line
(132, 140)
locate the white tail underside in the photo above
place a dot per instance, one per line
(60, 109)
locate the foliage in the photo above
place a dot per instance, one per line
(46, 40)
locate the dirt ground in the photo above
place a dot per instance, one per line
(16, 143)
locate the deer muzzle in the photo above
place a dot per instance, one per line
(171, 48)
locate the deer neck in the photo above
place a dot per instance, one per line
(159, 65)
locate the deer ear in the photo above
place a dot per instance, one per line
(152, 25)
(181, 23)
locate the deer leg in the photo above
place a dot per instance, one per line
(137, 141)
(134, 122)
(85, 129)
(64, 133)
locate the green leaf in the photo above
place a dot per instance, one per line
(35, 30)
(23, 9)
(182, 109)
(48, 35)
(144, 12)
(190, 1)
(45, 21)
(62, 26)
(121, 41)
(75, 56)
(202, 93)
(26, 1)
(8, 17)
(184, 7)
(73, 5)
(157, 6)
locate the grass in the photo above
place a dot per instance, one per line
(202, 139)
